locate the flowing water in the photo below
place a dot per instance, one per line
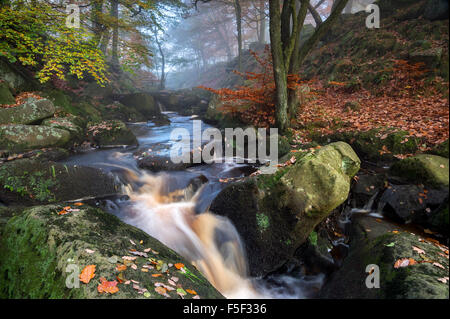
(173, 207)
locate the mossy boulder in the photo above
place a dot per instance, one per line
(276, 213)
(30, 112)
(111, 134)
(68, 123)
(18, 137)
(40, 250)
(34, 181)
(382, 244)
(376, 145)
(441, 149)
(5, 94)
(425, 169)
(144, 103)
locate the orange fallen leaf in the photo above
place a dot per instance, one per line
(121, 267)
(78, 204)
(179, 265)
(191, 291)
(87, 273)
(107, 286)
(156, 275)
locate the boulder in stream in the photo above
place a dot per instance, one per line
(276, 213)
(54, 249)
(30, 181)
(111, 133)
(380, 243)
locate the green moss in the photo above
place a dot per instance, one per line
(262, 221)
(313, 238)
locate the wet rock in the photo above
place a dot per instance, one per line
(18, 137)
(49, 244)
(34, 181)
(30, 112)
(427, 169)
(411, 203)
(366, 186)
(276, 213)
(157, 163)
(374, 243)
(111, 134)
(5, 94)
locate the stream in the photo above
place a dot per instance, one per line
(172, 206)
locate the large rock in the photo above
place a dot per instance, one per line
(426, 169)
(18, 137)
(276, 213)
(5, 94)
(143, 102)
(412, 203)
(29, 182)
(382, 244)
(39, 250)
(30, 112)
(111, 134)
(68, 123)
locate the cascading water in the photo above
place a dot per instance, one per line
(209, 242)
(167, 208)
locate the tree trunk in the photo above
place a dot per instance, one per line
(97, 25)
(238, 12)
(279, 69)
(262, 22)
(115, 35)
(321, 30)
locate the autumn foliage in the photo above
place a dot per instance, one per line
(406, 104)
(254, 103)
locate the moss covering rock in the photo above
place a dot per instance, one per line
(55, 247)
(68, 123)
(382, 244)
(5, 94)
(18, 137)
(33, 181)
(111, 134)
(426, 169)
(376, 145)
(276, 213)
(30, 112)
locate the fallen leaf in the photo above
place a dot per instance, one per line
(89, 251)
(438, 265)
(418, 250)
(156, 275)
(191, 291)
(179, 266)
(87, 273)
(121, 267)
(107, 286)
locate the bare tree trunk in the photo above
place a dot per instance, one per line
(97, 25)
(238, 12)
(115, 35)
(262, 22)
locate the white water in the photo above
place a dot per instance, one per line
(211, 243)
